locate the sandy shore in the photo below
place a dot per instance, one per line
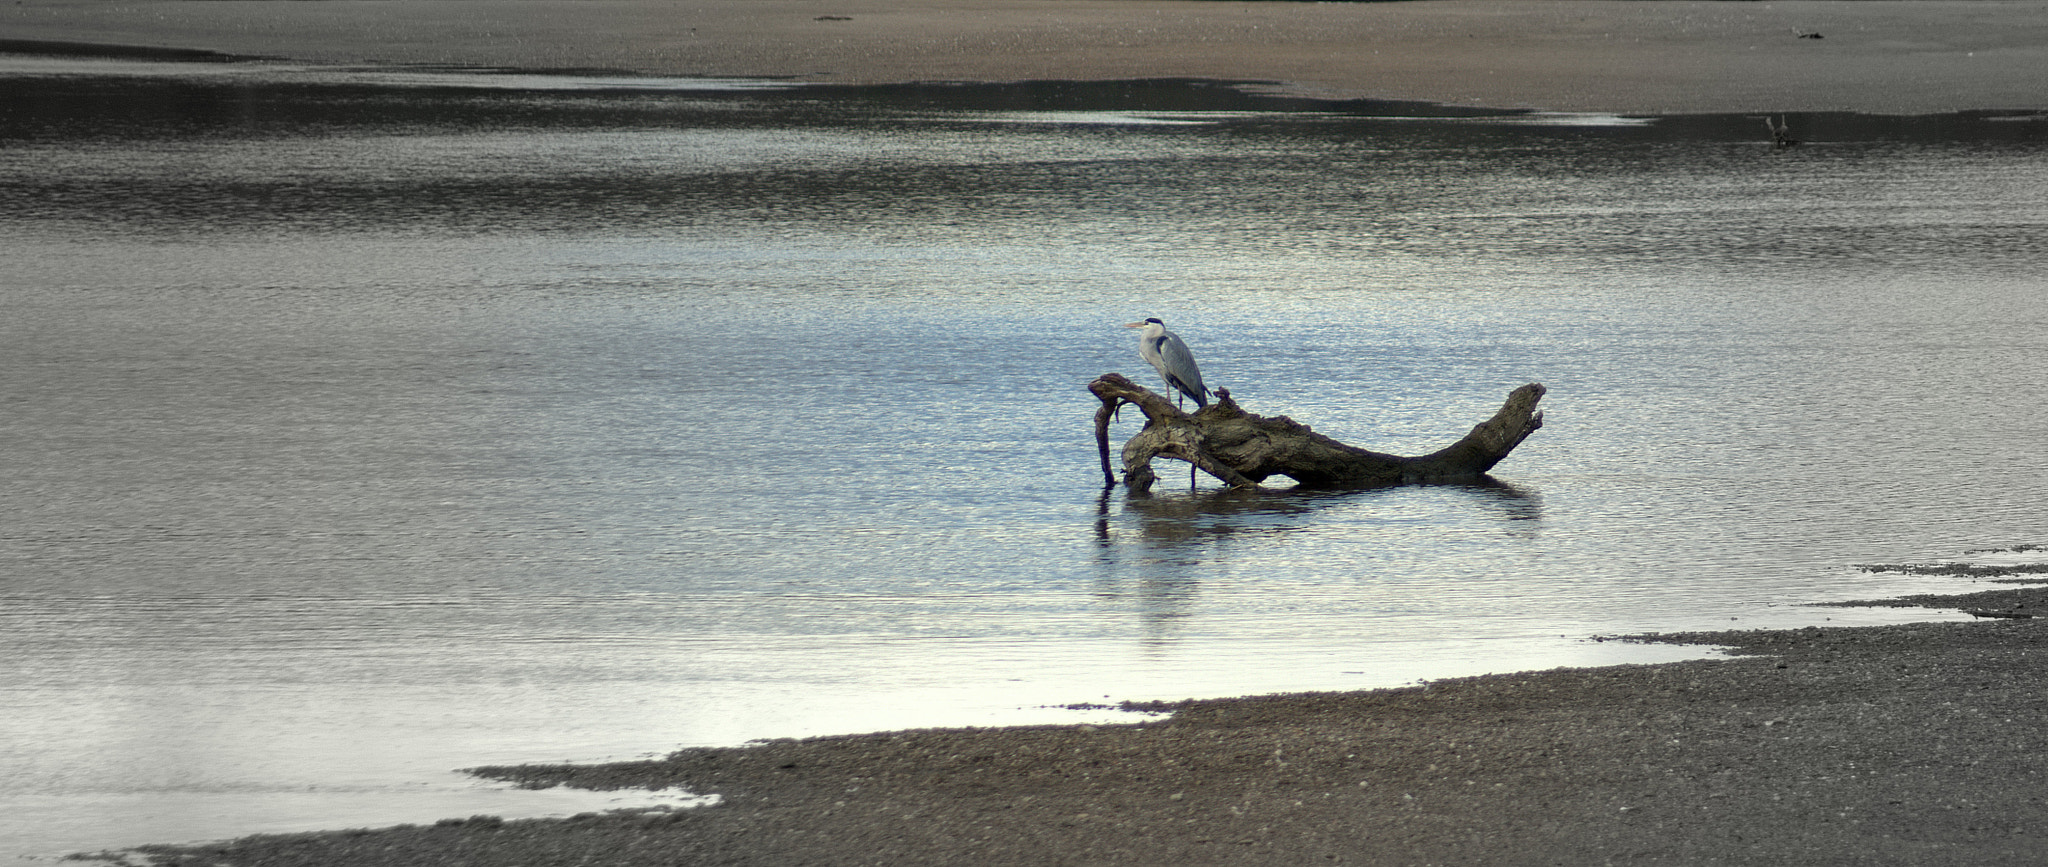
(1881, 56)
(1919, 744)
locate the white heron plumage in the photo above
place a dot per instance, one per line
(1167, 354)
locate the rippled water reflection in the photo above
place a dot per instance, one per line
(359, 430)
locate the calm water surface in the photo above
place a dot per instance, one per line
(363, 426)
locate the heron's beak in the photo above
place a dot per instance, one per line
(1134, 325)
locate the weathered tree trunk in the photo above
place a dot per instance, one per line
(1242, 449)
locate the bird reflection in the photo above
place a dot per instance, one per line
(1170, 522)
(1214, 515)
(1152, 549)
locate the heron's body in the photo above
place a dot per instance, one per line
(1167, 354)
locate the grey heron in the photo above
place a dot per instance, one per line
(1166, 353)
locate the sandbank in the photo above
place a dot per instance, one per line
(1668, 56)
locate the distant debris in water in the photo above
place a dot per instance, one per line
(1803, 34)
(1781, 132)
(2009, 613)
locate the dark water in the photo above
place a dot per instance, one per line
(364, 425)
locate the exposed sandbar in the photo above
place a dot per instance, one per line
(1879, 56)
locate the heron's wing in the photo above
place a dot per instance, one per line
(1179, 364)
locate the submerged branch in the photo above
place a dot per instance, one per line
(1242, 449)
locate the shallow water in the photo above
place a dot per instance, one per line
(363, 426)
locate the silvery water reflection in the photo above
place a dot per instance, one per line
(355, 434)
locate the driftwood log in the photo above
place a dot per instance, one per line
(1242, 449)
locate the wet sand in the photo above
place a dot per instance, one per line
(1919, 744)
(1669, 56)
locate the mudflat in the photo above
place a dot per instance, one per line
(1879, 56)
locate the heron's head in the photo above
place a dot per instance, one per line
(1152, 321)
